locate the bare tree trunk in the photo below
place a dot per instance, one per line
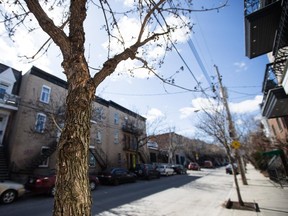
(235, 176)
(242, 169)
(72, 183)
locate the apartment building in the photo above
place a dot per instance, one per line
(37, 122)
(266, 33)
(170, 146)
(10, 80)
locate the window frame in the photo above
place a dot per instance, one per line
(116, 118)
(94, 164)
(44, 96)
(3, 87)
(116, 137)
(98, 136)
(43, 124)
(44, 163)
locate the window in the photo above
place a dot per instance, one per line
(45, 94)
(99, 114)
(116, 118)
(3, 89)
(92, 160)
(116, 136)
(99, 137)
(44, 153)
(40, 122)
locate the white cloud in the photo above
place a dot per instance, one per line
(151, 52)
(128, 3)
(186, 112)
(240, 66)
(11, 53)
(154, 114)
(246, 106)
(198, 104)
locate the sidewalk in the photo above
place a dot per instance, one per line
(272, 200)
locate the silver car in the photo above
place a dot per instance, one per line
(165, 169)
(9, 191)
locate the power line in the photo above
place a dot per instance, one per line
(147, 95)
(244, 86)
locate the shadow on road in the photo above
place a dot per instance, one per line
(109, 197)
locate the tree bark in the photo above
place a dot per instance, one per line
(72, 183)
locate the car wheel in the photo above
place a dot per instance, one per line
(8, 196)
(116, 182)
(92, 185)
(53, 191)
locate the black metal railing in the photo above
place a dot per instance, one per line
(9, 99)
(251, 6)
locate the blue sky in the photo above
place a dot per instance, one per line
(219, 40)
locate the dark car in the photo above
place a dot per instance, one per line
(45, 184)
(147, 171)
(229, 169)
(116, 176)
(179, 169)
(193, 166)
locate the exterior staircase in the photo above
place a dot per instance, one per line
(100, 157)
(4, 172)
(39, 158)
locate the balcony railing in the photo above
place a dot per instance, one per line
(130, 147)
(251, 6)
(262, 18)
(8, 99)
(131, 128)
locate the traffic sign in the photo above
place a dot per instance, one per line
(235, 144)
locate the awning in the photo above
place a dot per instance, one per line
(273, 152)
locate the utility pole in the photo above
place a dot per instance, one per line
(232, 131)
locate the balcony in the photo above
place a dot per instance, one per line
(132, 147)
(262, 22)
(275, 104)
(275, 99)
(9, 101)
(131, 128)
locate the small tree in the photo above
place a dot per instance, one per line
(214, 124)
(73, 194)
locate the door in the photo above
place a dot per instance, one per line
(3, 123)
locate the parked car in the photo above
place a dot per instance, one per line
(208, 164)
(194, 166)
(116, 175)
(165, 169)
(147, 171)
(45, 184)
(10, 191)
(229, 170)
(179, 169)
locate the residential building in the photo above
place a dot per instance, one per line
(10, 80)
(170, 147)
(36, 128)
(266, 32)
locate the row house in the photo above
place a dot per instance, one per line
(33, 131)
(10, 80)
(266, 32)
(168, 148)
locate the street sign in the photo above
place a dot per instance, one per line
(235, 144)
